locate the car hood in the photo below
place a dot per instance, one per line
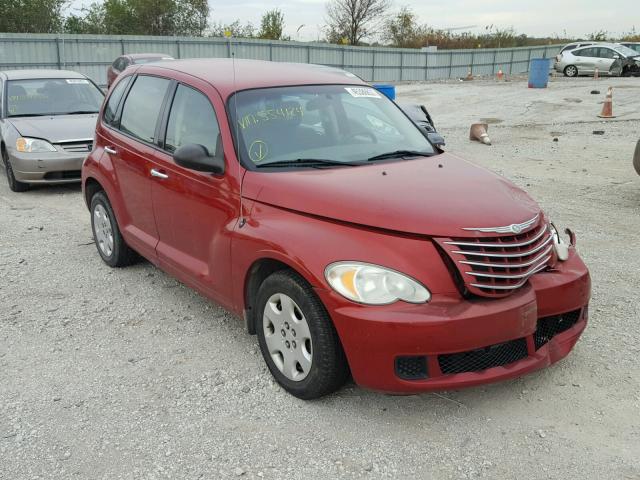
(57, 128)
(436, 196)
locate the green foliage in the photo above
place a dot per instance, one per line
(142, 17)
(402, 30)
(31, 16)
(237, 30)
(599, 36)
(272, 25)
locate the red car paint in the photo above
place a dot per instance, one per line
(385, 213)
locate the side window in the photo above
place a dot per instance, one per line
(142, 106)
(585, 52)
(109, 115)
(570, 47)
(605, 52)
(191, 120)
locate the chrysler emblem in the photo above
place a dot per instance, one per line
(514, 228)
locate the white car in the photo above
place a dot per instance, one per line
(608, 58)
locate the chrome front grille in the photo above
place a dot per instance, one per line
(496, 266)
(77, 147)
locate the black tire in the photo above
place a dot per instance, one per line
(14, 185)
(570, 71)
(329, 369)
(121, 254)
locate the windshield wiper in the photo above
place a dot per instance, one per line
(399, 154)
(77, 112)
(306, 162)
(29, 115)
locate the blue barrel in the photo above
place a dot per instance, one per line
(539, 72)
(387, 90)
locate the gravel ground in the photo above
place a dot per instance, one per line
(128, 374)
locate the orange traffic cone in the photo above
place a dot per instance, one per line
(607, 107)
(500, 75)
(478, 132)
(596, 74)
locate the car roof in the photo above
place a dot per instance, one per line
(39, 73)
(135, 56)
(603, 44)
(229, 76)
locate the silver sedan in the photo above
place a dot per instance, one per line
(47, 122)
(608, 58)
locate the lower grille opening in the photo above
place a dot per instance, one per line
(549, 327)
(66, 175)
(411, 368)
(484, 358)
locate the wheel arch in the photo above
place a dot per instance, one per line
(91, 187)
(259, 270)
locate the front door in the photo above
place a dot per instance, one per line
(195, 212)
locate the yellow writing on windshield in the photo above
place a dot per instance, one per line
(270, 114)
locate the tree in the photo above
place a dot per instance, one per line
(142, 17)
(355, 19)
(31, 16)
(272, 25)
(403, 30)
(236, 29)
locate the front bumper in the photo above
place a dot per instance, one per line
(376, 338)
(49, 167)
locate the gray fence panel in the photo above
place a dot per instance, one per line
(92, 54)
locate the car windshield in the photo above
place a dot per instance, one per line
(52, 96)
(626, 51)
(321, 124)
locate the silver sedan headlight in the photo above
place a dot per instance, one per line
(33, 145)
(373, 284)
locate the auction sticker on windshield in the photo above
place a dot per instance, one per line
(77, 81)
(360, 92)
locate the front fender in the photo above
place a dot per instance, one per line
(307, 244)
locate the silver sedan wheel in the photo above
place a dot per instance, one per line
(103, 230)
(571, 71)
(287, 335)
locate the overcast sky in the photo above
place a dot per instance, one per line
(536, 18)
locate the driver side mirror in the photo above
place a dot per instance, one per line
(196, 157)
(616, 56)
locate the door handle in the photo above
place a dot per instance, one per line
(110, 150)
(156, 173)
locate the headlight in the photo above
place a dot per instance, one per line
(33, 145)
(374, 285)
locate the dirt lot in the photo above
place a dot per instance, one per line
(127, 374)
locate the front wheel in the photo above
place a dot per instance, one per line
(14, 185)
(571, 71)
(297, 338)
(111, 246)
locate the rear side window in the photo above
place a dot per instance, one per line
(586, 52)
(111, 108)
(142, 106)
(192, 120)
(570, 47)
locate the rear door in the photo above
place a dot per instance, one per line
(131, 147)
(195, 211)
(586, 59)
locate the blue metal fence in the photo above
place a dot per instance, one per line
(91, 55)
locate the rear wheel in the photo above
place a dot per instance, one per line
(571, 71)
(297, 338)
(14, 185)
(106, 233)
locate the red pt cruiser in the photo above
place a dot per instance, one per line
(305, 201)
